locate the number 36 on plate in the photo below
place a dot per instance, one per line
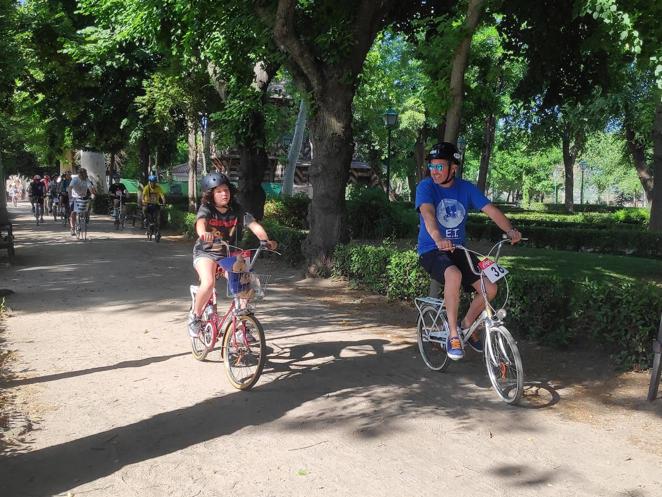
(492, 270)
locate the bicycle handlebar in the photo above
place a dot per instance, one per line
(263, 246)
(497, 245)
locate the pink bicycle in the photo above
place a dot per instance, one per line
(243, 345)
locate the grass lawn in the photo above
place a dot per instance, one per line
(579, 265)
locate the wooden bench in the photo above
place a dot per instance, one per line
(7, 240)
(657, 365)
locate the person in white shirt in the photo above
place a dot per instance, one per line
(80, 187)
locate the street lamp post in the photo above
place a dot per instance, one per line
(390, 121)
(582, 168)
(461, 146)
(556, 186)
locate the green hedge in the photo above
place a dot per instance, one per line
(560, 208)
(290, 240)
(371, 216)
(621, 317)
(177, 219)
(621, 219)
(605, 241)
(288, 211)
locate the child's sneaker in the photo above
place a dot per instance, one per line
(193, 325)
(454, 348)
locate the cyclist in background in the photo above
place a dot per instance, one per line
(13, 193)
(118, 191)
(219, 219)
(36, 190)
(153, 195)
(65, 180)
(81, 188)
(443, 203)
(53, 187)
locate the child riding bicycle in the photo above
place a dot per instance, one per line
(442, 202)
(220, 221)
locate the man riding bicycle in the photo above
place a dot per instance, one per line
(53, 189)
(80, 188)
(152, 197)
(443, 202)
(63, 192)
(119, 192)
(37, 190)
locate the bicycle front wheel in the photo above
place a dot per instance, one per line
(245, 351)
(431, 335)
(87, 220)
(504, 364)
(201, 345)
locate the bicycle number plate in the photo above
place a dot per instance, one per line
(492, 270)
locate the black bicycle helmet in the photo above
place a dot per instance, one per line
(444, 150)
(214, 179)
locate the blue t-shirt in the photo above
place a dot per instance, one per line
(451, 206)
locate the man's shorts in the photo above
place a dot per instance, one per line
(435, 263)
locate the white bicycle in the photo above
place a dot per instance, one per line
(502, 357)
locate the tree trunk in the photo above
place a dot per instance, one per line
(637, 150)
(4, 214)
(331, 82)
(253, 162)
(295, 149)
(331, 133)
(656, 202)
(253, 158)
(568, 165)
(454, 113)
(143, 159)
(486, 153)
(192, 165)
(206, 146)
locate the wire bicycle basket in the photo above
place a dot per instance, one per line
(247, 285)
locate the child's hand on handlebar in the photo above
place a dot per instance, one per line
(207, 237)
(270, 244)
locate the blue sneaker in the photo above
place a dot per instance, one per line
(454, 348)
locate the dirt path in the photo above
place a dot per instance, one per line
(108, 401)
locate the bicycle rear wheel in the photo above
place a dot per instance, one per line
(504, 364)
(201, 345)
(431, 338)
(244, 357)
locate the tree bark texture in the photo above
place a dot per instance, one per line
(637, 150)
(656, 203)
(460, 57)
(331, 86)
(253, 158)
(568, 165)
(486, 153)
(192, 165)
(253, 164)
(331, 132)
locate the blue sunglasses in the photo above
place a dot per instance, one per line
(436, 167)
